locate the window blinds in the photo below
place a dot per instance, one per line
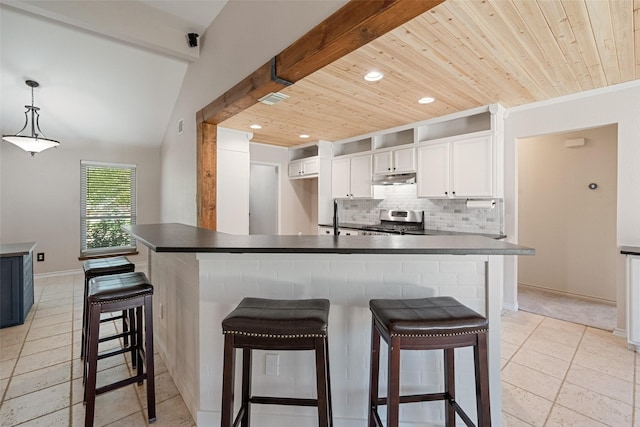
(108, 201)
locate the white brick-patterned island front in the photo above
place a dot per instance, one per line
(195, 290)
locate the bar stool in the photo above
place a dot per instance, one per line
(427, 324)
(103, 267)
(267, 324)
(120, 292)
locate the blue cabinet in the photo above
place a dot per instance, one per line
(16, 284)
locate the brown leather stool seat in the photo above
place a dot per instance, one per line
(267, 324)
(427, 324)
(120, 292)
(104, 267)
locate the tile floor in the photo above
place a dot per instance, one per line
(41, 370)
(555, 373)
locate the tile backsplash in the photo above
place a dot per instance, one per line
(439, 214)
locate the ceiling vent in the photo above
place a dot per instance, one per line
(273, 98)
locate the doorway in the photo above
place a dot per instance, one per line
(567, 197)
(263, 198)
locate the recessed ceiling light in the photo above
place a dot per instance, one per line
(304, 135)
(373, 76)
(426, 100)
(255, 127)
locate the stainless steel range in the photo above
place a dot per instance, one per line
(396, 222)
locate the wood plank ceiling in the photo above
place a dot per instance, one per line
(465, 53)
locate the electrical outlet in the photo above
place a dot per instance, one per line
(40, 256)
(272, 364)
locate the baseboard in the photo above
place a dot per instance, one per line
(57, 274)
(139, 266)
(510, 307)
(620, 332)
(595, 299)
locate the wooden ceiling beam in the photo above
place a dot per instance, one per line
(354, 25)
(351, 27)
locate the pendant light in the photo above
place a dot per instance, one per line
(36, 141)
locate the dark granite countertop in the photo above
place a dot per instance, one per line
(185, 238)
(16, 249)
(425, 232)
(630, 250)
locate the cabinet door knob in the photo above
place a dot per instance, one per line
(446, 193)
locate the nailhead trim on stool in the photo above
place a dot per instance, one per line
(268, 324)
(120, 292)
(438, 323)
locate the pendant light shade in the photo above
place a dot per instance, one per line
(32, 140)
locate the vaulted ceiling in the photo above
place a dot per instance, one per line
(465, 54)
(109, 71)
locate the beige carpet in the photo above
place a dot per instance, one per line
(586, 311)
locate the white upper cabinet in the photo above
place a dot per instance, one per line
(395, 161)
(472, 167)
(351, 177)
(432, 178)
(457, 168)
(305, 168)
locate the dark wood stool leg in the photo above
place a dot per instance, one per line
(136, 342)
(374, 377)
(328, 371)
(85, 315)
(246, 386)
(482, 381)
(129, 328)
(393, 388)
(148, 352)
(449, 387)
(91, 359)
(228, 380)
(321, 383)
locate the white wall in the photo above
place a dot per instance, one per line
(618, 104)
(296, 195)
(243, 37)
(40, 197)
(572, 227)
(232, 179)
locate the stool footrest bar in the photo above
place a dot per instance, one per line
(114, 336)
(376, 417)
(289, 401)
(240, 416)
(414, 398)
(121, 383)
(115, 352)
(461, 413)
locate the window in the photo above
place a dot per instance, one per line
(108, 201)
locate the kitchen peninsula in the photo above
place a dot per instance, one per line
(200, 275)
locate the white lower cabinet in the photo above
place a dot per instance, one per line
(458, 168)
(351, 177)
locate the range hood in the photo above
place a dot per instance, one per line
(396, 179)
